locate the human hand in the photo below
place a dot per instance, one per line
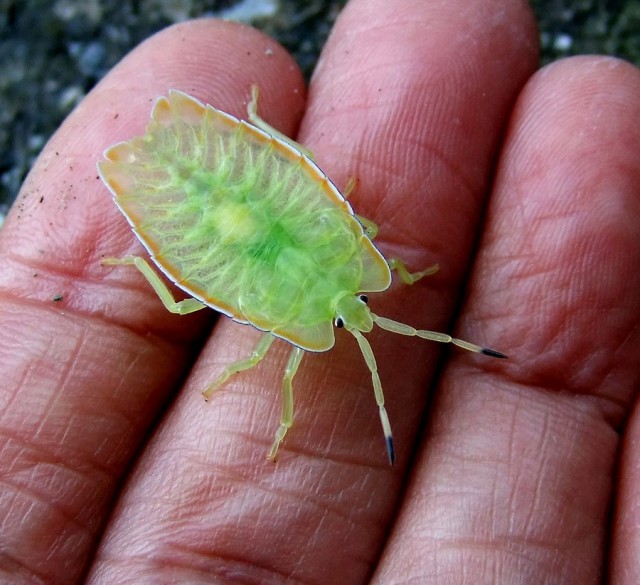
(505, 471)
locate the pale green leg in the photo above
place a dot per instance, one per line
(183, 307)
(410, 277)
(350, 187)
(370, 227)
(252, 114)
(254, 359)
(286, 420)
(370, 360)
(403, 329)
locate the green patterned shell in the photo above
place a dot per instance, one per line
(242, 221)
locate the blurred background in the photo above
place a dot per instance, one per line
(54, 51)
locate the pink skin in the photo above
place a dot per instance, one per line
(114, 469)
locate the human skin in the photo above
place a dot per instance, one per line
(524, 186)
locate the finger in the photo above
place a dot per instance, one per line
(624, 563)
(204, 501)
(514, 482)
(88, 355)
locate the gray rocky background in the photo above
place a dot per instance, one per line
(54, 51)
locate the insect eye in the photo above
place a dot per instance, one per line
(339, 323)
(364, 298)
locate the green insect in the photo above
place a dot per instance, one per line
(240, 218)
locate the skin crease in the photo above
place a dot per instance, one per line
(523, 185)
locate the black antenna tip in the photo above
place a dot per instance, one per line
(390, 451)
(493, 353)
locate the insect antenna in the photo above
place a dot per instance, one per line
(403, 329)
(370, 360)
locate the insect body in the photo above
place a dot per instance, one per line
(240, 218)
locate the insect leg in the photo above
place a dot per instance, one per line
(259, 351)
(350, 187)
(370, 360)
(403, 329)
(180, 307)
(252, 114)
(370, 227)
(410, 277)
(286, 420)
